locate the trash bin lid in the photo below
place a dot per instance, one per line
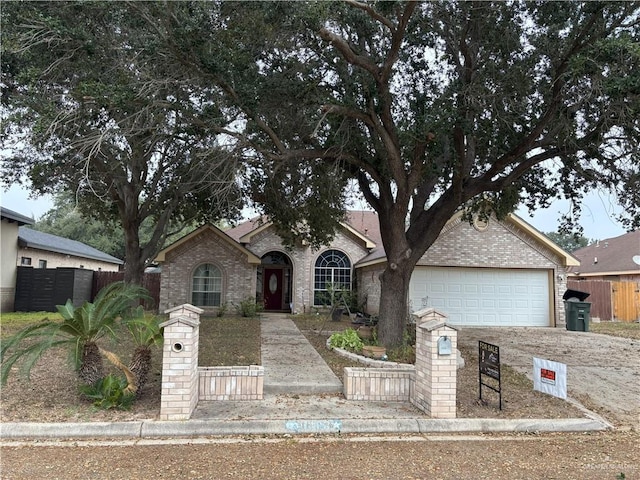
(581, 296)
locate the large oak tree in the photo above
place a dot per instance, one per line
(90, 107)
(430, 107)
(427, 107)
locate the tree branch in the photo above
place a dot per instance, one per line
(372, 13)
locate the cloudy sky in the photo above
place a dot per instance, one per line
(597, 214)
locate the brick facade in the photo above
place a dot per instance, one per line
(303, 260)
(179, 394)
(238, 275)
(505, 244)
(501, 245)
(184, 383)
(435, 386)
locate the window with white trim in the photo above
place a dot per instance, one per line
(206, 286)
(332, 273)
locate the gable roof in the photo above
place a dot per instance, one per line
(11, 217)
(251, 258)
(362, 223)
(379, 256)
(612, 256)
(30, 238)
(247, 227)
(365, 224)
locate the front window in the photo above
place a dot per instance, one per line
(25, 261)
(332, 274)
(206, 288)
(42, 264)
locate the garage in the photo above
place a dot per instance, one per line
(484, 296)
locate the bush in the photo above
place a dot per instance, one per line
(109, 392)
(347, 340)
(222, 310)
(248, 307)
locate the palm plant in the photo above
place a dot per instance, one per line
(146, 332)
(79, 331)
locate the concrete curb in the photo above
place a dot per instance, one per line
(195, 428)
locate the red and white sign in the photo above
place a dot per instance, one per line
(550, 377)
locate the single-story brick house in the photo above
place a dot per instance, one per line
(485, 273)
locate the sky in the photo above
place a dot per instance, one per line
(596, 219)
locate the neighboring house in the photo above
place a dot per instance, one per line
(11, 221)
(615, 259)
(489, 273)
(44, 250)
(610, 272)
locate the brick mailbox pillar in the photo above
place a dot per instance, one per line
(179, 396)
(436, 365)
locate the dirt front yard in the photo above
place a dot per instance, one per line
(603, 371)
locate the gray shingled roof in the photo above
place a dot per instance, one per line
(12, 216)
(52, 243)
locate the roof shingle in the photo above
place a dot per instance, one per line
(612, 255)
(28, 237)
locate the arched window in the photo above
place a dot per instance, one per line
(332, 273)
(206, 288)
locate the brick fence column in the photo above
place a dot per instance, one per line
(436, 366)
(179, 396)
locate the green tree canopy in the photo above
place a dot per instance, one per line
(67, 220)
(90, 107)
(429, 107)
(568, 241)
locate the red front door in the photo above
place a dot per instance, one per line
(272, 288)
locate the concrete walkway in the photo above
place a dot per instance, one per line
(291, 364)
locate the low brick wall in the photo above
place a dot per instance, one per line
(378, 384)
(231, 383)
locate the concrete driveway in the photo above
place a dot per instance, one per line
(603, 372)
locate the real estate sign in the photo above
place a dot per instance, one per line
(489, 365)
(550, 377)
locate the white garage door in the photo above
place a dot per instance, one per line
(483, 296)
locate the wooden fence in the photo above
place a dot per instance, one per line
(619, 301)
(150, 281)
(626, 301)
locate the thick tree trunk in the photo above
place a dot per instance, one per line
(394, 304)
(134, 268)
(134, 263)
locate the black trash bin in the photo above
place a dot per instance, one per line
(577, 311)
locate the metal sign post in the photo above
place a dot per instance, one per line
(489, 365)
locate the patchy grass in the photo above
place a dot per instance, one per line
(229, 341)
(233, 340)
(11, 322)
(321, 323)
(519, 398)
(617, 329)
(317, 329)
(52, 393)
